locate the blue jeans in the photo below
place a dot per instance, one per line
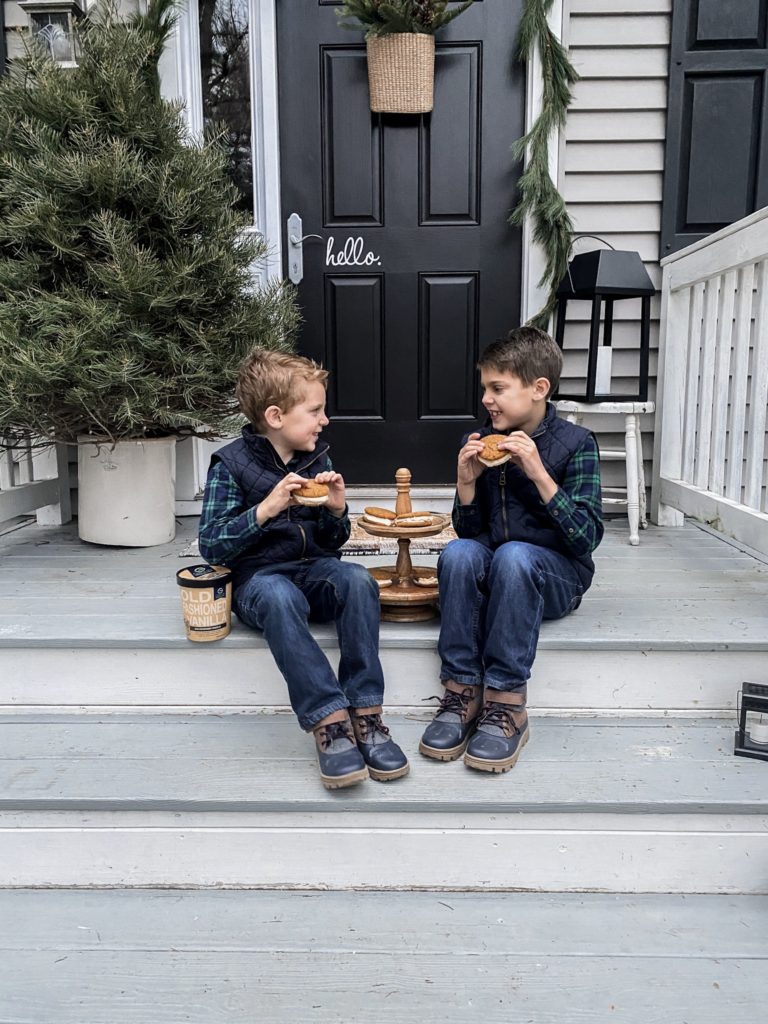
(492, 604)
(280, 600)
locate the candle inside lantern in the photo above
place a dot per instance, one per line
(758, 731)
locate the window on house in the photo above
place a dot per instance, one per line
(226, 75)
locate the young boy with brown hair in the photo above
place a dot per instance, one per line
(527, 529)
(286, 565)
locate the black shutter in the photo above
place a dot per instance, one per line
(716, 165)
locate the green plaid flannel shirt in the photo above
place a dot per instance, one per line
(228, 526)
(576, 509)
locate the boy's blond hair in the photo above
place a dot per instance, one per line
(274, 378)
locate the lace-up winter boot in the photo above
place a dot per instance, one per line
(384, 758)
(341, 763)
(446, 736)
(499, 738)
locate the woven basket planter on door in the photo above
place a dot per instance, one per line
(401, 73)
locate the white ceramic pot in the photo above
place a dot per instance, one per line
(126, 493)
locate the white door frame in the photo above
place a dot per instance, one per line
(181, 79)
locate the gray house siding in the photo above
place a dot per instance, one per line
(612, 162)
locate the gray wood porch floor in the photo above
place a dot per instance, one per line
(147, 957)
(105, 780)
(680, 589)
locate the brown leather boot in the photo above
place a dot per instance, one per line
(447, 735)
(502, 732)
(341, 763)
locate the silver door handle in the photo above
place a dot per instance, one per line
(296, 240)
(300, 241)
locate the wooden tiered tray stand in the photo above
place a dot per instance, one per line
(405, 599)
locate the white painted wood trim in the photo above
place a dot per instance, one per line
(187, 84)
(59, 512)
(667, 441)
(757, 408)
(564, 856)
(642, 681)
(266, 130)
(532, 295)
(22, 498)
(695, 361)
(717, 236)
(726, 516)
(35, 480)
(743, 317)
(739, 244)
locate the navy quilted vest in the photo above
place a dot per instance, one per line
(290, 535)
(510, 503)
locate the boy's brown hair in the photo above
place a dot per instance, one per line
(274, 378)
(527, 353)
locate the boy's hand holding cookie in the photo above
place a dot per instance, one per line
(524, 453)
(469, 469)
(337, 491)
(279, 498)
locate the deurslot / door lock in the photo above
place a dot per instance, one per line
(296, 248)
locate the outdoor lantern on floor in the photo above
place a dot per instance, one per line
(752, 734)
(606, 276)
(53, 23)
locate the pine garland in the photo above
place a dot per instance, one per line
(539, 197)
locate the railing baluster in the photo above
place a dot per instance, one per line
(741, 340)
(707, 379)
(25, 473)
(6, 468)
(722, 376)
(758, 397)
(692, 381)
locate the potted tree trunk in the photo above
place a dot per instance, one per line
(126, 278)
(400, 44)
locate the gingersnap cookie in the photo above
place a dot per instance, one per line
(312, 493)
(490, 455)
(380, 516)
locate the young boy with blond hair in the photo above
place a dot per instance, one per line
(286, 565)
(527, 530)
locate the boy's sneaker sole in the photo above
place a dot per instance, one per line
(483, 765)
(449, 754)
(397, 773)
(342, 781)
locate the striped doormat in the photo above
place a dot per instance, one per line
(361, 543)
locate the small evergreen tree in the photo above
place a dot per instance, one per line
(127, 297)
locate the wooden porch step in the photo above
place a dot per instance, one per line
(675, 624)
(128, 957)
(638, 806)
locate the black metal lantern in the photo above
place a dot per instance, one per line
(606, 276)
(752, 734)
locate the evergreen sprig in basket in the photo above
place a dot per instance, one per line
(400, 42)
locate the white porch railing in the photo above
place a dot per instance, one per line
(35, 480)
(710, 446)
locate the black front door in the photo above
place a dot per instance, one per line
(415, 268)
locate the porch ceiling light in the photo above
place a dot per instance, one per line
(752, 733)
(53, 23)
(606, 276)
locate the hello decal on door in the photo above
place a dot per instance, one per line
(351, 255)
